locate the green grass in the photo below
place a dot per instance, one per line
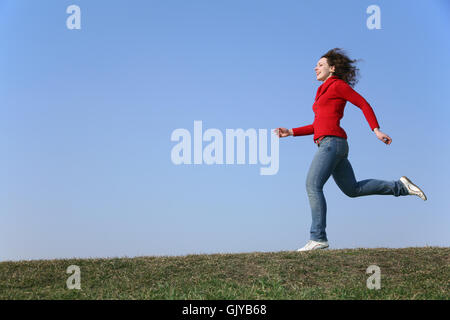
(409, 273)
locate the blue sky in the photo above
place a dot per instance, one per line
(86, 118)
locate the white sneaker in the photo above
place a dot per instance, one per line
(412, 188)
(314, 245)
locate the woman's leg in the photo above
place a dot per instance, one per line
(344, 177)
(324, 162)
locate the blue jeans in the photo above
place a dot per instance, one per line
(331, 159)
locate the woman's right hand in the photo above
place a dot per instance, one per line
(283, 132)
(382, 136)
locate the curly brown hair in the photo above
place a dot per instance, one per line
(345, 68)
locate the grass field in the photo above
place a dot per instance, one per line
(409, 273)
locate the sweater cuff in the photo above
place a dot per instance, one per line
(303, 131)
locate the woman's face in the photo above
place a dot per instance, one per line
(323, 70)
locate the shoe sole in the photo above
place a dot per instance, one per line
(323, 248)
(421, 195)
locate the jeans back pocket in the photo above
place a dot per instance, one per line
(342, 148)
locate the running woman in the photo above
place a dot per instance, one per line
(338, 74)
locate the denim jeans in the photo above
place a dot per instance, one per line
(331, 159)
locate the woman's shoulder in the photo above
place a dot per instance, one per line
(341, 83)
(342, 86)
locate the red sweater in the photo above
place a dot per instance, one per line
(329, 106)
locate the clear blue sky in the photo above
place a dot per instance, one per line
(86, 118)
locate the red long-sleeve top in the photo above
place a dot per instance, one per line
(328, 108)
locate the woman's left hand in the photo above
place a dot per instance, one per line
(382, 136)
